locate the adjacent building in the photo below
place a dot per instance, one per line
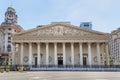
(115, 46)
(86, 25)
(7, 28)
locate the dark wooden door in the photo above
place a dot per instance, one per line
(60, 60)
(84, 61)
(35, 61)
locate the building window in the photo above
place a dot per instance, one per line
(9, 38)
(86, 24)
(9, 28)
(9, 33)
(15, 30)
(9, 41)
(9, 48)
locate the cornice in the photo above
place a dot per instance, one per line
(60, 24)
(100, 37)
(11, 26)
(60, 41)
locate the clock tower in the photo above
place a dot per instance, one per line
(8, 27)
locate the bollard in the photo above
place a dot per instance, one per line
(2, 69)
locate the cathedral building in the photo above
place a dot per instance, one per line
(61, 44)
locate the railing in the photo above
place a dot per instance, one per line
(67, 68)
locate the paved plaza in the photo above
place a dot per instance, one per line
(54, 75)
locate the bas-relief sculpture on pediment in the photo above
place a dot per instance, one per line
(59, 31)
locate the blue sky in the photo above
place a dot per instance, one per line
(104, 14)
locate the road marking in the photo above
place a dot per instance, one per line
(35, 77)
(101, 79)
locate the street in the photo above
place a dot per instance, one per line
(59, 75)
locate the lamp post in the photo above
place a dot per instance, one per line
(9, 56)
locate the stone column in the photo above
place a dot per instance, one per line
(55, 54)
(64, 55)
(47, 53)
(72, 54)
(38, 54)
(107, 54)
(89, 54)
(13, 54)
(98, 54)
(21, 54)
(81, 54)
(30, 54)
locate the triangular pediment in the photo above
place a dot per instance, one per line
(59, 29)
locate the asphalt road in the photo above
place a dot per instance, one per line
(65, 75)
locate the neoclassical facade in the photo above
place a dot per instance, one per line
(60, 44)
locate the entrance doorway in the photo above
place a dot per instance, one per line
(84, 61)
(35, 61)
(60, 60)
